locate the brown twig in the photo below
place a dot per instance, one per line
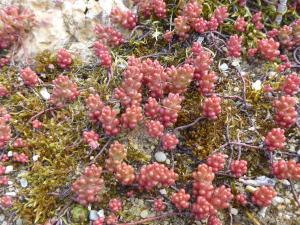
(101, 151)
(244, 144)
(153, 218)
(294, 193)
(190, 124)
(41, 113)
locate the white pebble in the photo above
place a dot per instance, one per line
(234, 211)
(224, 67)
(160, 156)
(12, 194)
(93, 215)
(45, 94)
(101, 213)
(9, 169)
(10, 154)
(256, 85)
(144, 214)
(277, 200)
(168, 161)
(23, 182)
(2, 217)
(262, 212)
(35, 157)
(163, 191)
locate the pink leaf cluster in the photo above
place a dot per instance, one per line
(240, 24)
(285, 111)
(36, 124)
(103, 54)
(3, 91)
(5, 132)
(91, 138)
(216, 161)
(286, 169)
(64, 58)
(269, 48)
(263, 196)
(20, 157)
(109, 121)
(209, 200)
(181, 199)
(155, 129)
(234, 46)
(6, 201)
(159, 205)
(126, 19)
(212, 107)
(129, 92)
(94, 106)
(64, 91)
(291, 84)
(109, 35)
(115, 205)
(15, 22)
(156, 174)
(275, 139)
(111, 219)
(3, 180)
(168, 113)
(169, 141)
(148, 7)
(131, 117)
(29, 77)
(241, 199)
(238, 167)
(19, 143)
(99, 221)
(88, 186)
(213, 220)
(256, 19)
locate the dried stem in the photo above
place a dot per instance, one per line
(101, 151)
(41, 113)
(189, 125)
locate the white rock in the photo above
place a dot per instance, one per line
(163, 191)
(259, 181)
(277, 200)
(35, 158)
(262, 212)
(160, 156)
(11, 193)
(44, 93)
(10, 154)
(2, 217)
(144, 214)
(101, 213)
(10, 182)
(257, 85)
(9, 169)
(250, 188)
(224, 67)
(93, 215)
(200, 39)
(234, 211)
(235, 63)
(168, 161)
(23, 182)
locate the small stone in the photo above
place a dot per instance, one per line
(256, 85)
(23, 182)
(35, 157)
(10, 182)
(9, 169)
(262, 212)
(45, 94)
(93, 215)
(250, 188)
(234, 211)
(144, 214)
(10, 154)
(101, 213)
(168, 161)
(12, 194)
(235, 62)
(277, 200)
(160, 156)
(223, 67)
(236, 89)
(200, 39)
(163, 191)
